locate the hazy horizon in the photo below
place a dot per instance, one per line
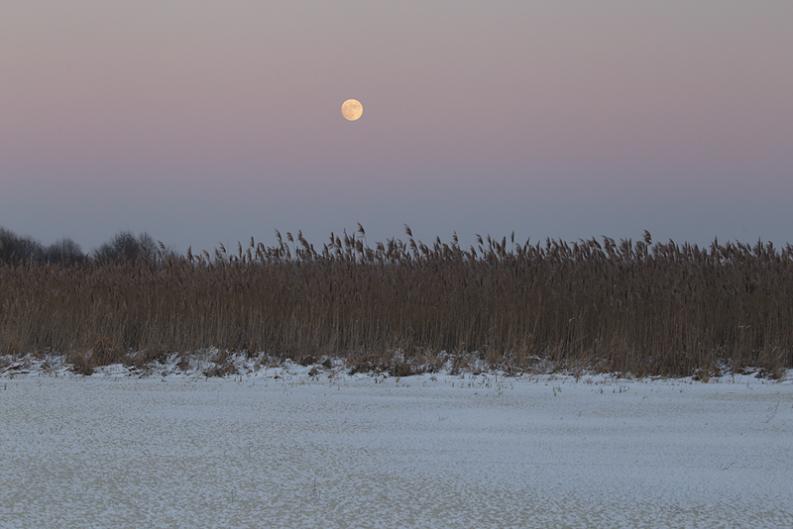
(207, 122)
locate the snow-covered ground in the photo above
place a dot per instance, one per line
(278, 448)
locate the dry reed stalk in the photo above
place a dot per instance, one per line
(663, 308)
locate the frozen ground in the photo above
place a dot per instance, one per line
(114, 451)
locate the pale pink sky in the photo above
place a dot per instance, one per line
(213, 121)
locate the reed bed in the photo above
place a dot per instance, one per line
(647, 308)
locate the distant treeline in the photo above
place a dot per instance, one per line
(640, 306)
(123, 247)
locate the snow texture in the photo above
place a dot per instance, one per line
(277, 448)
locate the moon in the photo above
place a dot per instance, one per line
(352, 110)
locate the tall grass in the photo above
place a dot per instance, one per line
(662, 308)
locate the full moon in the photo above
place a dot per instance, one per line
(352, 110)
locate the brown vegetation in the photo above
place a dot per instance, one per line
(623, 306)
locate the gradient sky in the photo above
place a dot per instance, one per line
(207, 121)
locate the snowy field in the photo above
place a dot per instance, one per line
(280, 449)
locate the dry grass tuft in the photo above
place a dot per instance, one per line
(223, 365)
(82, 363)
